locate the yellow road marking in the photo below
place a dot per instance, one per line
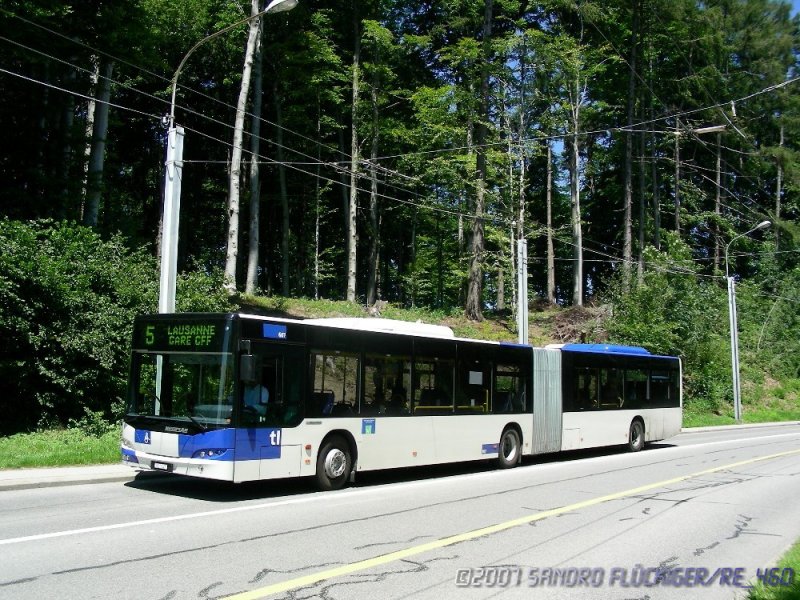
(369, 563)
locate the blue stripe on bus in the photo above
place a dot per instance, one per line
(515, 345)
(249, 444)
(217, 439)
(606, 349)
(490, 449)
(258, 444)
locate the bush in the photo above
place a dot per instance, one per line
(673, 311)
(67, 303)
(676, 311)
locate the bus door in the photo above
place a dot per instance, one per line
(269, 405)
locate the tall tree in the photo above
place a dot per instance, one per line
(234, 180)
(474, 301)
(254, 237)
(97, 146)
(352, 232)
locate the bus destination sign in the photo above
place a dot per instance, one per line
(196, 337)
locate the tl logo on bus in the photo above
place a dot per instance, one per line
(141, 436)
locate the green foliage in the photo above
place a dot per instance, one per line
(67, 302)
(673, 311)
(676, 311)
(202, 291)
(93, 424)
(68, 299)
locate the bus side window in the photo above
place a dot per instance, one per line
(635, 392)
(335, 387)
(502, 402)
(432, 392)
(508, 389)
(612, 388)
(586, 389)
(321, 403)
(660, 392)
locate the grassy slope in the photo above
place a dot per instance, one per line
(58, 449)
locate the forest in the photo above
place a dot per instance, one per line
(384, 152)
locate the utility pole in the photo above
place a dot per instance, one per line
(522, 291)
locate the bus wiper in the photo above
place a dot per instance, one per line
(201, 426)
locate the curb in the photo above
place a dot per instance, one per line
(29, 485)
(741, 426)
(26, 479)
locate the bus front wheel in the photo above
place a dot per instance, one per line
(509, 449)
(333, 464)
(636, 436)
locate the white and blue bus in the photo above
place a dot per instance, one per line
(240, 398)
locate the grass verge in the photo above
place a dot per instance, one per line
(790, 560)
(58, 448)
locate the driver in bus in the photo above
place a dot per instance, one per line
(256, 398)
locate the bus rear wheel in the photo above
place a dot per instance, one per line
(508, 449)
(636, 436)
(333, 464)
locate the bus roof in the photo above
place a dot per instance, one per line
(384, 326)
(606, 349)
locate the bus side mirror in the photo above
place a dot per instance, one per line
(247, 368)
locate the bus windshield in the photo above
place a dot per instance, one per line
(193, 387)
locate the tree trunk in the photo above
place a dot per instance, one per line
(778, 190)
(474, 308)
(717, 203)
(65, 159)
(551, 261)
(234, 183)
(654, 183)
(627, 244)
(352, 234)
(285, 221)
(677, 176)
(574, 192)
(317, 200)
(251, 283)
(656, 193)
(374, 230)
(642, 202)
(94, 176)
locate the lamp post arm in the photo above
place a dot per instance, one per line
(727, 246)
(195, 47)
(762, 225)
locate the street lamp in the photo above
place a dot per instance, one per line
(737, 399)
(174, 168)
(694, 131)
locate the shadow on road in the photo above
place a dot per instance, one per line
(223, 491)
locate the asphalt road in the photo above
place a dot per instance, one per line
(694, 517)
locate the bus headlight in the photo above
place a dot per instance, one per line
(210, 453)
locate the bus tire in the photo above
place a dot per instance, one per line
(508, 451)
(334, 463)
(636, 436)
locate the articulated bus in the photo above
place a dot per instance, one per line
(240, 398)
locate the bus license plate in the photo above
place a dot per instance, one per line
(160, 466)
